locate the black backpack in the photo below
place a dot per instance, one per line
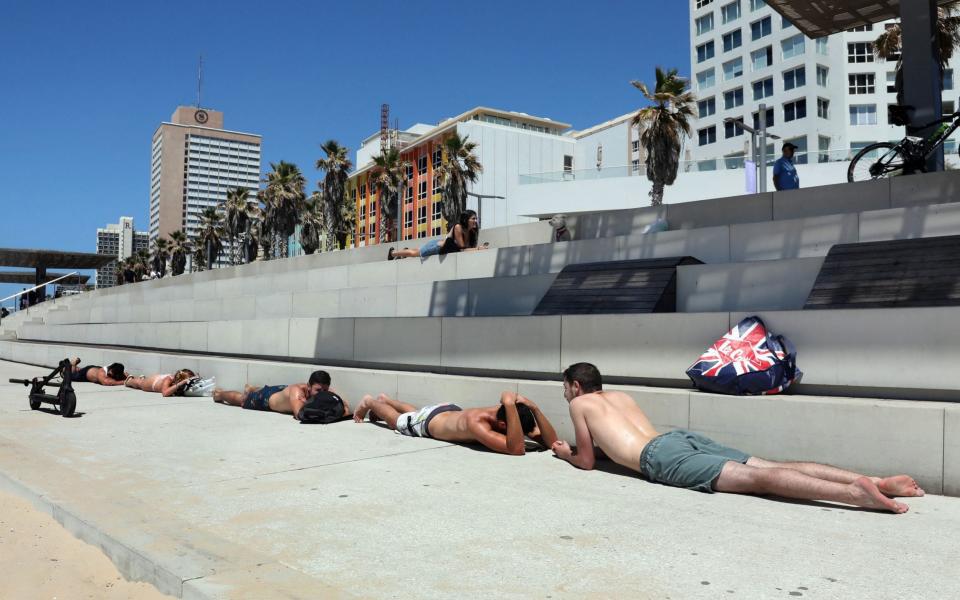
(323, 408)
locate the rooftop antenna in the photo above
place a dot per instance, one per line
(199, 80)
(384, 127)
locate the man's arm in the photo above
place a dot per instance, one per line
(346, 405)
(298, 397)
(547, 435)
(582, 457)
(514, 439)
(106, 380)
(777, 170)
(171, 390)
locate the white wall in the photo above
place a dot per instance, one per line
(632, 192)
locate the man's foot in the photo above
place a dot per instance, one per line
(900, 486)
(75, 361)
(864, 492)
(362, 409)
(218, 396)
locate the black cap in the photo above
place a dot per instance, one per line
(789, 145)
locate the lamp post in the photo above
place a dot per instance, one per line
(758, 150)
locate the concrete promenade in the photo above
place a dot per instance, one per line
(208, 501)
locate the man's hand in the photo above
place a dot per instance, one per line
(524, 400)
(508, 398)
(562, 449)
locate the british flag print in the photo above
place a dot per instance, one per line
(743, 349)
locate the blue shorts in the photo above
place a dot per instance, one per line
(260, 399)
(431, 248)
(685, 459)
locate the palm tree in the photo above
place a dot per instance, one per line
(348, 219)
(283, 199)
(389, 176)
(210, 239)
(663, 127)
(312, 223)
(336, 166)
(141, 263)
(459, 166)
(261, 236)
(179, 248)
(160, 255)
(887, 44)
(238, 210)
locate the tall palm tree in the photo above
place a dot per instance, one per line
(887, 44)
(336, 167)
(141, 263)
(210, 239)
(348, 220)
(312, 223)
(238, 209)
(663, 127)
(161, 252)
(459, 166)
(389, 176)
(179, 248)
(283, 199)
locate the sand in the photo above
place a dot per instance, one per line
(40, 560)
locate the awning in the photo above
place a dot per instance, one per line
(52, 259)
(28, 278)
(819, 18)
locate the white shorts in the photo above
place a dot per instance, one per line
(416, 423)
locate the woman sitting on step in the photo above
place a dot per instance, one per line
(169, 384)
(462, 237)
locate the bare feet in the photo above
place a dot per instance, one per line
(362, 409)
(900, 486)
(218, 395)
(864, 492)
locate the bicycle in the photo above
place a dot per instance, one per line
(907, 156)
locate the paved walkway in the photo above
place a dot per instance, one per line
(205, 500)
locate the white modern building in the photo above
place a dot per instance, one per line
(120, 240)
(194, 162)
(828, 96)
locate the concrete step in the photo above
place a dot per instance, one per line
(869, 435)
(896, 353)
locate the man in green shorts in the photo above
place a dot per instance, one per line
(614, 423)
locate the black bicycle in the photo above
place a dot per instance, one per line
(908, 156)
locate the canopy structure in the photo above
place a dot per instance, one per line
(922, 78)
(29, 278)
(41, 260)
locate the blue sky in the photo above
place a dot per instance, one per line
(85, 84)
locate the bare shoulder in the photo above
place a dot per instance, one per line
(619, 397)
(586, 402)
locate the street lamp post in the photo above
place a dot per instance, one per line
(758, 145)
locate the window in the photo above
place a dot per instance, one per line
(408, 219)
(859, 52)
(795, 78)
(785, 23)
(422, 165)
(793, 46)
(823, 74)
(436, 184)
(408, 194)
(635, 165)
(635, 145)
(409, 172)
(822, 46)
(422, 215)
(422, 234)
(868, 27)
(435, 213)
(761, 28)
(707, 107)
(823, 144)
(948, 107)
(823, 108)
(801, 152)
(363, 190)
(733, 98)
(732, 69)
(708, 135)
(706, 79)
(730, 12)
(757, 4)
(731, 130)
(732, 40)
(861, 83)
(795, 110)
(437, 157)
(863, 114)
(769, 119)
(762, 58)
(372, 229)
(734, 161)
(567, 164)
(891, 82)
(948, 79)
(702, 3)
(422, 191)
(705, 24)
(705, 52)
(763, 88)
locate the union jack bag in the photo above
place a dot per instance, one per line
(748, 360)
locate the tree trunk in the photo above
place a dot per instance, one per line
(656, 194)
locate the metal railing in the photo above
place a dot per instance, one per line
(34, 288)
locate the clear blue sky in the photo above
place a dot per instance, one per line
(83, 85)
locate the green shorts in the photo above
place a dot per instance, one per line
(685, 459)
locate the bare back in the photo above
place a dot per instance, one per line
(616, 425)
(289, 398)
(459, 426)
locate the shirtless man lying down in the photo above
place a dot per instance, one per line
(111, 375)
(614, 423)
(287, 399)
(500, 428)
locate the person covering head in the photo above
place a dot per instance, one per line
(116, 371)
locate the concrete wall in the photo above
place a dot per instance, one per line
(878, 437)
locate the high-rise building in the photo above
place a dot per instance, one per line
(194, 162)
(122, 241)
(828, 96)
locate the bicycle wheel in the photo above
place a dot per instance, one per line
(875, 162)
